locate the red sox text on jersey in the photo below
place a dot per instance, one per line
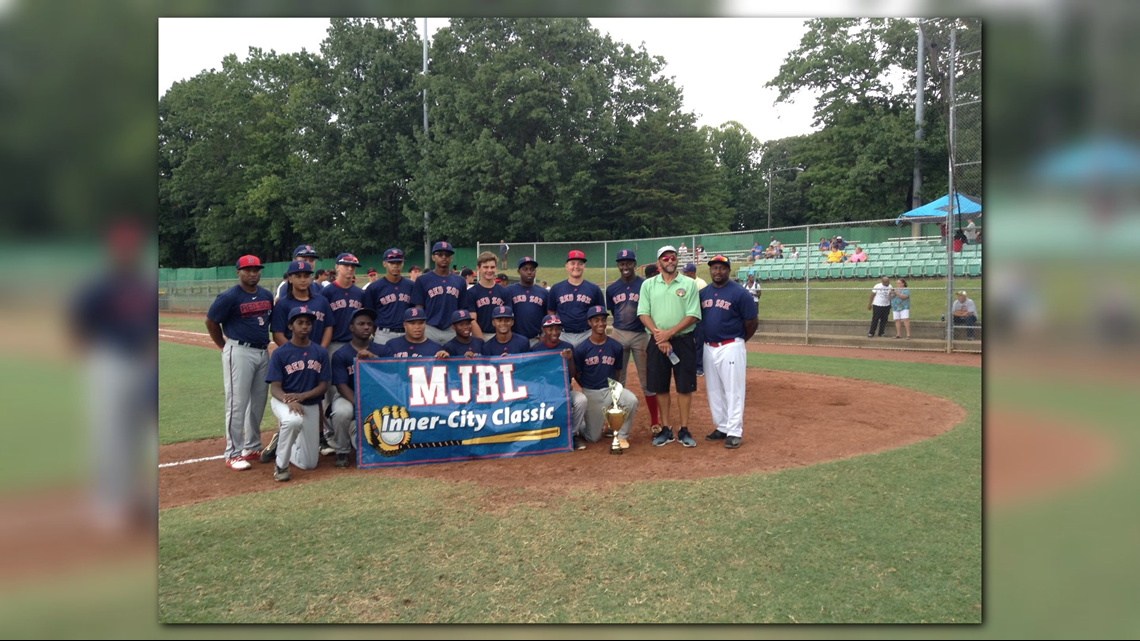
(605, 360)
(524, 298)
(494, 301)
(632, 297)
(345, 302)
(293, 368)
(581, 298)
(256, 308)
(718, 303)
(440, 290)
(393, 297)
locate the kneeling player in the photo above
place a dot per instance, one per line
(299, 374)
(344, 378)
(464, 344)
(551, 341)
(413, 344)
(597, 359)
(504, 341)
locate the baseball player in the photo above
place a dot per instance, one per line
(344, 299)
(238, 323)
(414, 272)
(413, 344)
(468, 275)
(529, 301)
(597, 359)
(622, 297)
(300, 275)
(690, 270)
(299, 373)
(344, 378)
(571, 298)
(728, 320)
(504, 341)
(309, 255)
(464, 344)
(669, 307)
(389, 297)
(439, 293)
(485, 295)
(552, 342)
(372, 276)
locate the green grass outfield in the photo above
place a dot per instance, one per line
(890, 537)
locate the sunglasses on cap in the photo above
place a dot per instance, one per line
(667, 259)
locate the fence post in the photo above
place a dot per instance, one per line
(807, 293)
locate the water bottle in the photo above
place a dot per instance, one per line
(673, 358)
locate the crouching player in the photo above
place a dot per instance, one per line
(597, 359)
(299, 374)
(344, 378)
(551, 341)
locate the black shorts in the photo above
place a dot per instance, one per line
(659, 368)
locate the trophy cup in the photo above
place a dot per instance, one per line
(615, 415)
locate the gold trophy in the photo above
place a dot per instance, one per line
(615, 415)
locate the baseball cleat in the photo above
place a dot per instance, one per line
(700, 371)
(663, 437)
(716, 435)
(326, 449)
(732, 442)
(237, 464)
(686, 438)
(270, 450)
(579, 444)
(608, 433)
(341, 460)
(250, 455)
(281, 473)
(624, 443)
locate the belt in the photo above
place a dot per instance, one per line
(253, 345)
(390, 331)
(722, 343)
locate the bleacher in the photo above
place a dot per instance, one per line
(894, 259)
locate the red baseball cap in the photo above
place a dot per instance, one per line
(575, 255)
(249, 260)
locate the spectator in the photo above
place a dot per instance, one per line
(900, 307)
(795, 253)
(699, 250)
(836, 256)
(880, 304)
(965, 313)
(753, 287)
(756, 253)
(839, 242)
(858, 256)
(942, 232)
(971, 232)
(682, 252)
(959, 240)
(824, 245)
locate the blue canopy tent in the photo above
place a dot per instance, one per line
(936, 211)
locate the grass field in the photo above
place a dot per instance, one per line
(892, 537)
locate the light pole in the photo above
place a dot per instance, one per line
(770, 172)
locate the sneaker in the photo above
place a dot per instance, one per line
(579, 444)
(341, 460)
(326, 449)
(870, 335)
(663, 437)
(607, 433)
(251, 455)
(281, 473)
(732, 442)
(716, 435)
(238, 464)
(686, 438)
(624, 443)
(270, 451)
(700, 371)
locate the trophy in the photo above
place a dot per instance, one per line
(615, 415)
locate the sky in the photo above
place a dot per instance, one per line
(721, 64)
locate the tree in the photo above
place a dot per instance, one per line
(737, 155)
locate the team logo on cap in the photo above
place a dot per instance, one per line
(625, 254)
(413, 311)
(349, 257)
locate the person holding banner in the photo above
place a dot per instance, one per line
(343, 378)
(413, 344)
(299, 373)
(504, 341)
(596, 360)
(464, 344)
(552, 342)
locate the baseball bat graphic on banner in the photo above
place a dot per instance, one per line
(392, 443)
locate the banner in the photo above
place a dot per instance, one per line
(412, 411)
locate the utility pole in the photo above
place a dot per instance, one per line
(427, 216)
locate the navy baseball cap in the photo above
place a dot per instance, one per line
(249, 261)
(393, 256)
(363, 310)
(347, 259)
(720, 259)
(461, 315)
(626, 254)
(297, 267)
(303, 310)
(414, 314)
(503, 311)
(442, 246)
(305, 250)
(689, 267)
(596, 310)
(576, 255)
(551, 319)
(467, 271)
(528, 259)
(501, 278)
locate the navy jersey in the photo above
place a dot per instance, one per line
(314, 288)
(299, 369)
(724, 310)
(389, 300)
(399, 347)
(318, 305)
(530, 307)
(517, 345)
(455, 348)
(344, 363)
(482, 300)
(541, 346)
(118, 311)
(597, 363)
(343, 302)
(440, 296)
(572, 302)
(243, 316)
(621, 300)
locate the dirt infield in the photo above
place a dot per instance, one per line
(842, 420)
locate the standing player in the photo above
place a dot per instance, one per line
(669, 307)
(464, 344)
(597, 359)
(300, 275)
(238, 322)
(372, 276)
(485, 295)
(504, 341)
(529, 301)
(413, 344)
(571, 298)
(344, 299)
(552, 342)
(309, 255)
(344, 378)
(439, 293)
(299, 373)
(622, 297)
(728, 320)
(389, 297)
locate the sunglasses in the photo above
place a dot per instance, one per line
(667, 259)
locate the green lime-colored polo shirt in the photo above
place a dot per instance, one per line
(668, 304)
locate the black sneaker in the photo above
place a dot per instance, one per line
(716, 435)
(686, 438)
(281, 473)
(341, 460)
(326, 449)
(270, 451)
(608, 433)
(732, 442)
(663, 437)
(579, 444)
(700, 371)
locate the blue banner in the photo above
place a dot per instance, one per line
(412, 411)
